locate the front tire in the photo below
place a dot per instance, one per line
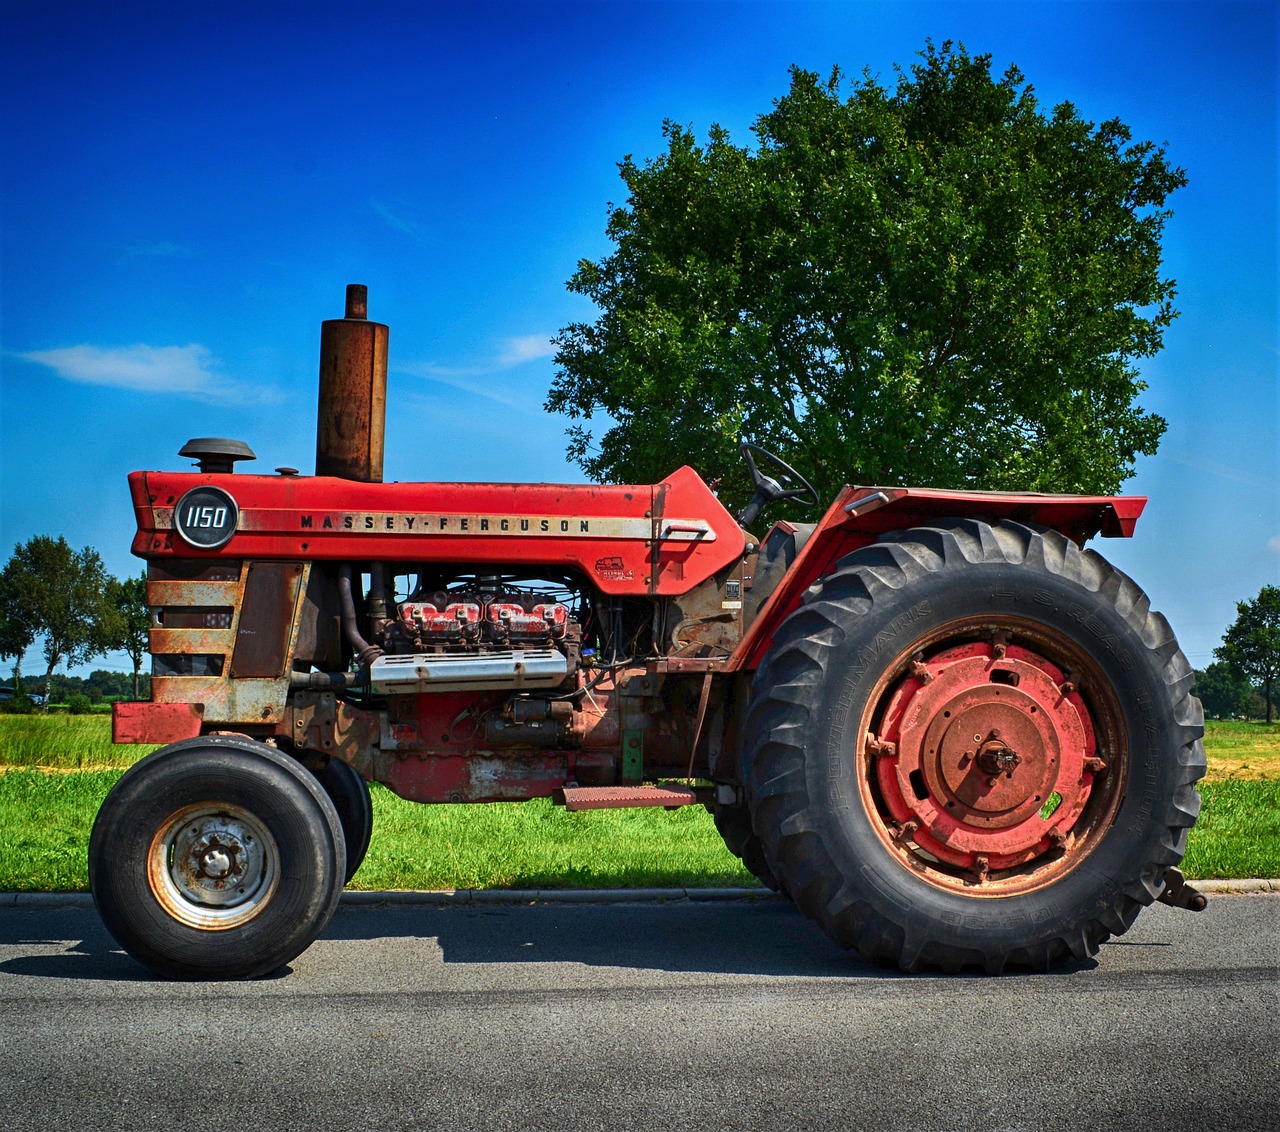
(973, 745)
(216, 858)
(349, 794)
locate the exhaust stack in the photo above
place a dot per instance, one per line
(352, 412)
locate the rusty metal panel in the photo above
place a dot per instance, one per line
(192, 642)
(264, 626)
(225, 701)
(177, 594)
(155, 723)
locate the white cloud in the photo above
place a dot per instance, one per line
(457, 379)
(187, 371)
(526, 348)
(1273, 544)
(510, 353)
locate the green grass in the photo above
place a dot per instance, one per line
(1238, 833)
(539, 845)
(45, 818)
(1242, 750)
(44, 828)
(65, 742)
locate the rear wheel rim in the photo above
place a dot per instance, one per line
(213, 866)
(993, 760)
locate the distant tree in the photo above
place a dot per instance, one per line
(103, 683)
(60, 596)
(937, 283)
(16, 633)
(1224, 691)
(1252, 644)
(133, 621)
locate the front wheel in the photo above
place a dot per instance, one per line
(216, 858)
(973, 745)
(350, 796)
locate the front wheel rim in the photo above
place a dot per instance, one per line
(992, 761)
(213, 866)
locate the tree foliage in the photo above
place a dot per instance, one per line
(932, 283)
(61, 596)
(1224, 691)
(1251, 645)
(16, 632)
(132, 620)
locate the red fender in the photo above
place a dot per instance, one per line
(860, 515)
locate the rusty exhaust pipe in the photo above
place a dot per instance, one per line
(352, 416)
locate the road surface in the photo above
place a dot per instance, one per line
(670, 1016)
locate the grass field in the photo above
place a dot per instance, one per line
(61, 767)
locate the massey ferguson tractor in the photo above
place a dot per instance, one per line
(944, 730)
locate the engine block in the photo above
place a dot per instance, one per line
(451, 619)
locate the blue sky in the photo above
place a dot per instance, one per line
(185, 189)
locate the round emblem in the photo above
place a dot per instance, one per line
(206, 517)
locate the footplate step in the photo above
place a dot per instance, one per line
(626, 797)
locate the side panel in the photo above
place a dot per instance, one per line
(862, 514)
(660, 539)
(223, 637)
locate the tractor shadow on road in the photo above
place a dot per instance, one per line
(765, 937)
(85, 950)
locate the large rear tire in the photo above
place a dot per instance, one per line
(973, 745)
(216, 858)
(733, 823)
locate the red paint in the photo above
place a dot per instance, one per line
(155, 723)
(1079, 517)
(555, 525)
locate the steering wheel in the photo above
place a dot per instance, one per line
(769, 490)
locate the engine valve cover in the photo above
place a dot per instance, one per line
(443, 622)
(508, 621)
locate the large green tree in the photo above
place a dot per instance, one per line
(1251, 645)
(61, 596)
(935, 282)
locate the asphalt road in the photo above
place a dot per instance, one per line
(668, 1016)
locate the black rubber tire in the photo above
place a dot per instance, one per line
(350, 796)
(809, 782)
(134, 851)
(733, 823)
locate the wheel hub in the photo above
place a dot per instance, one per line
(213, 866)
(994, 757)
(988, 756)
(217, 860)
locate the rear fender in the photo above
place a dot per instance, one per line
(860, 515)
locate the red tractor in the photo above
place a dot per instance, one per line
(949, 734)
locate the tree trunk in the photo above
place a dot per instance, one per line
(48, 685)
(137, 664)
(1267, 685)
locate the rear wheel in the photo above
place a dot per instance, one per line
(733, 823)
(216, 858)
(973, 745)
